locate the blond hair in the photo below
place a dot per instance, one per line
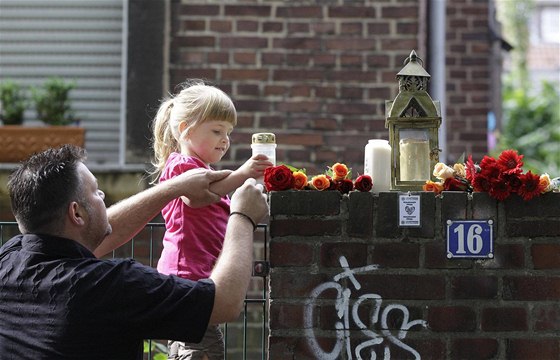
(196, 103)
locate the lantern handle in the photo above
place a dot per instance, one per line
(413, 57)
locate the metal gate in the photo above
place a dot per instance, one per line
(245, 338)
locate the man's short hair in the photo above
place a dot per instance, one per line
(42, 187)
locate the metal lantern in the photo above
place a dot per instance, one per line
(413, 119)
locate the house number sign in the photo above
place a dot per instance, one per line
(470, 239)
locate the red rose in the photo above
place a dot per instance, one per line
(344, 185)
(332, 184)
(455, 184)
(278, 178)
(363, 183)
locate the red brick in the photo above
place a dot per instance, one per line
(507, 256)
(504, 319)
(474, 287)
(246, 58)
(451, 318)
(247, 26)
(546, 256)
(191, 10)
(351, 28)
(306, 227)
(531, 288)
(399, 12)
(287, 316)
(299, 11)
(290, 254)
(547, 317)
(407, 287)
(221, 25)
(356, 254)
(533, 349)
(467, 348)
(396, 255)
(243, 42)
(352, 12)
(193, 41)
(248, 10)
(294, 285)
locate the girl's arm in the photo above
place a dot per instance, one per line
(129, 216)
(252, 168)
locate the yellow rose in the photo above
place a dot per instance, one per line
(460, 170)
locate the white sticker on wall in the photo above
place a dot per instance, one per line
(409, 210)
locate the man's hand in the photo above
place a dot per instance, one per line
(195, 184)
(250, 200)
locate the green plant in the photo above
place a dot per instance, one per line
(157, 350)
(53, 103)
(532, 126)
(12, 103)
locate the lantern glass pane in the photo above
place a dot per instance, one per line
(414, 150)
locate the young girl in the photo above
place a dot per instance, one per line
(191, 130)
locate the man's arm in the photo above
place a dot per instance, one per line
(232, 272)
(129, 216)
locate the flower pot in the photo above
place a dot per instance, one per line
(17, 143)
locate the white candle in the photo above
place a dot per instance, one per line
(414, 159)
(377, 164)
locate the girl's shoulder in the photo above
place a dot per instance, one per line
(178, 163)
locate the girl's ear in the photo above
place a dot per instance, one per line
(182, 127)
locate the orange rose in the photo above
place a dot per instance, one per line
(340, 171)
(430, 185)
(300, 180)
(320, 182)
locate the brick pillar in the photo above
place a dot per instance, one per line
(345, 279)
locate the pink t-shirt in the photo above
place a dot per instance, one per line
(194, 237)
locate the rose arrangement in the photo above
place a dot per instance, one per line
(337, 177)
(500, 177)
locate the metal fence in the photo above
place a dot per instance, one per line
(245, 338)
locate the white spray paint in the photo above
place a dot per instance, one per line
(342, 327)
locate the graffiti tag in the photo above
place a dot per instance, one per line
(347, 313)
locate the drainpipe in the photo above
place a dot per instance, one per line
(437, 52)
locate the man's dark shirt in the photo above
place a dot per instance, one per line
(57, 301)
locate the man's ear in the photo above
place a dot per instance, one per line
(76, 214)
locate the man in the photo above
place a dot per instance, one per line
(58, 301)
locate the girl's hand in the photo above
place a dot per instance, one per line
(254, 167)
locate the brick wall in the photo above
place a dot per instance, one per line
(323, 244)
(318, 73)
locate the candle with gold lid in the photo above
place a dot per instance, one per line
(264, 143)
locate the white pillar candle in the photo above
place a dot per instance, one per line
(414, 159)
(377, 164)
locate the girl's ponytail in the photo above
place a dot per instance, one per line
(164, 142)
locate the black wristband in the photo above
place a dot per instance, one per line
(245, 216)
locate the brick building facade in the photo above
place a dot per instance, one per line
(318, 73)
(315, 73)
